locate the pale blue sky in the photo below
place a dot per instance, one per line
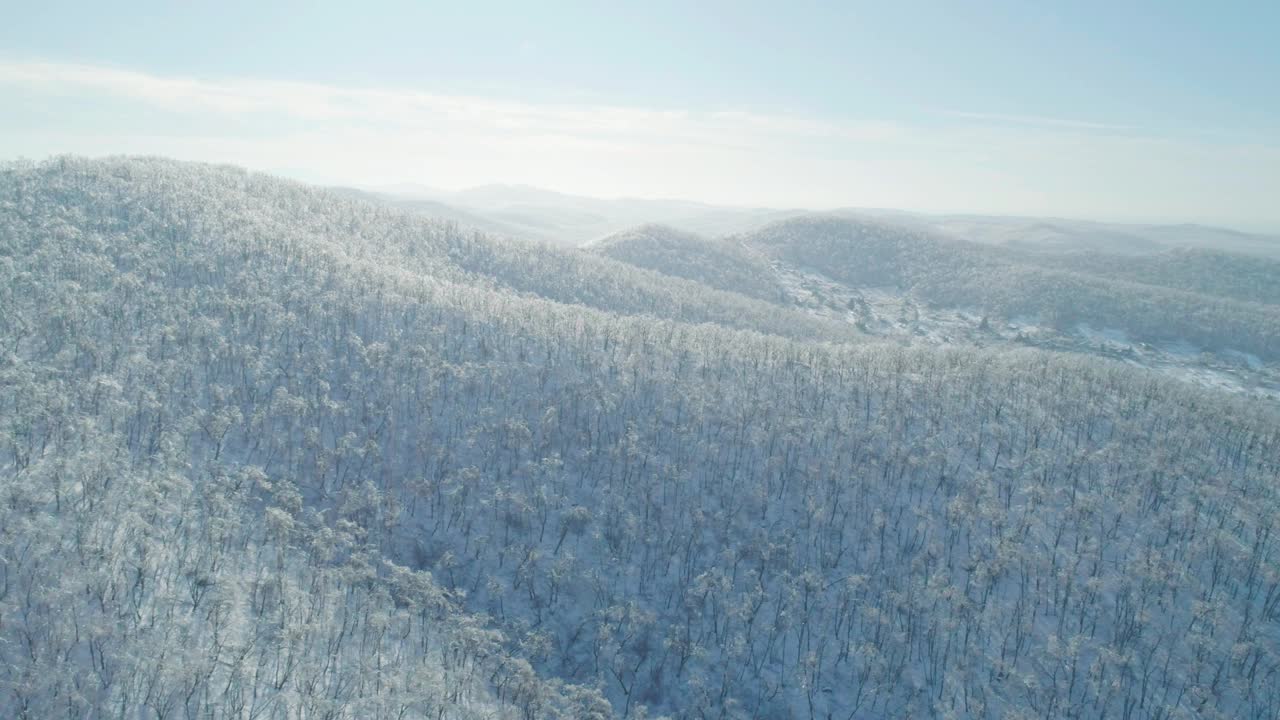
(1159, 111)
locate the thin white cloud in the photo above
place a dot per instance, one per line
(402, 107)
(981, 162)
(1037, 120)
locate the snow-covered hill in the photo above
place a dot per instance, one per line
(721, 264)
(1153, 306)
(1044, 234)
(1208, 317)
(271, 452)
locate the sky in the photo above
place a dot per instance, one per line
(1126, 111)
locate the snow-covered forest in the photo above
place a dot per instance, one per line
(724, 265)
(1211, 299)
(270, 451)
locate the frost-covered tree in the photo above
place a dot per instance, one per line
(270, 452)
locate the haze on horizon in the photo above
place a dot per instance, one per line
(1154, 112)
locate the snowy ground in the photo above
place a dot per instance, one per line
(890, 312)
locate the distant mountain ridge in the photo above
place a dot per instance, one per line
(531, 213)
(1064, 235)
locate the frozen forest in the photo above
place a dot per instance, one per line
(278, 452)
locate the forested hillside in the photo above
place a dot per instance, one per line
(1059, 235)
(269, 452)
(719, 264)
(1152, 302)
(1242, 277)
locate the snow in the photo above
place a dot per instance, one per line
(1253, 362)
(1180, 348)
(1111, 335)
(890, 313)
